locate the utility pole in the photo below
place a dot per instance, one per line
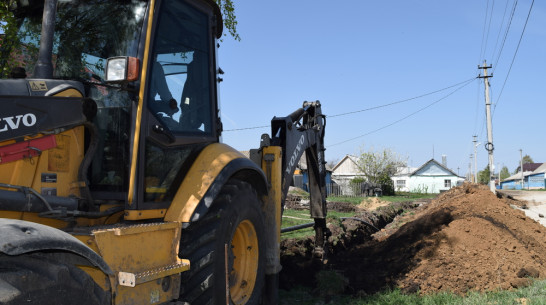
(489, 146)
(476, 158)
(521, 165)
(470, 169)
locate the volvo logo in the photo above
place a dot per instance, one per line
(295, 155)
(14, 122)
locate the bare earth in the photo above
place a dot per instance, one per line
(466, 239)
(534, 201)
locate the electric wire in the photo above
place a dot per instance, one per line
(506, 33)
(367, 109)
(399, 102)
(500, 29)
(514, 57)
(483, 31)
(489, 27)
(248, 128)
(405, 117)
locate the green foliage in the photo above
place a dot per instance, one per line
(357, 180)
(379, 166)
(420, 189)
(229, 18)
(527, 159)
(504, 173)
(8, 27)
(484, 175)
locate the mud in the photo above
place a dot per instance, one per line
(466, 239)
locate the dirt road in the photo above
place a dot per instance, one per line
(536, 203)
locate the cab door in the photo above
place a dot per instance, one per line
(181, 110)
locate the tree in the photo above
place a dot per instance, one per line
(379, 166)
(89, 29)
(229, 18)
(504, 173)
(484, 175)
(525, 160)
(331, 163)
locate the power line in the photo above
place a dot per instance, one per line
(515, 53)
(372, 108)
(500, 28)
(506, 33)
(489, 27)
(398, 102)
(484, 41)
(247, 128)
(407, 116)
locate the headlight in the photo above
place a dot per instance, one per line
(122, 69)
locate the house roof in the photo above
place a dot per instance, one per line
(517, 176)
(529, 167)
(404, 171)
(539, 170)
(351, 158)
(433, 162)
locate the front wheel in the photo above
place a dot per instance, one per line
(234, 225)
(38, 279)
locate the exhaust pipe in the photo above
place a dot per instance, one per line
(44, 65)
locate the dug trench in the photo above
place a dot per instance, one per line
(465, 239)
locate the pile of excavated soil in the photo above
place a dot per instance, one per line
(466, 239)
(372, 203)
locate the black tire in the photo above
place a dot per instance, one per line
(37, 279)
(236, 210)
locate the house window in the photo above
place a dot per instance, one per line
(447, 183)
(400, 184)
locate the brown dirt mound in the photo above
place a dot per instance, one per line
(488, 245)
(372, 203)
(466, 239)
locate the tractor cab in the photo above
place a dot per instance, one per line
(148, 67)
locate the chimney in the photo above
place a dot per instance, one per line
(444, 160)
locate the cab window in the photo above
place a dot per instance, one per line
(179, 87)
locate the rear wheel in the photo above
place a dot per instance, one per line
(37, 279)
(235, 219)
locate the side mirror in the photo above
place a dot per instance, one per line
(122, 69)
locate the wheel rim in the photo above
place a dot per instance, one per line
(244, 248)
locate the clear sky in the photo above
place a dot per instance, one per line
(354, 54)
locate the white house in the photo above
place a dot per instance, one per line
(346, 169)
(342, 174)
(431, 177)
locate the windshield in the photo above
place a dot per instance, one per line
(87, 32)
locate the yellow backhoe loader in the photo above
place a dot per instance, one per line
(114, 186)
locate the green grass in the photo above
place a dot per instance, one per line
(353, 200)
(406, 196)
(532, 295)
(297, 217)
(399, 197)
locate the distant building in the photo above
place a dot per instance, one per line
(533, 178)
(431, 177)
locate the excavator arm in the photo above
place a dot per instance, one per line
(302, 131)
